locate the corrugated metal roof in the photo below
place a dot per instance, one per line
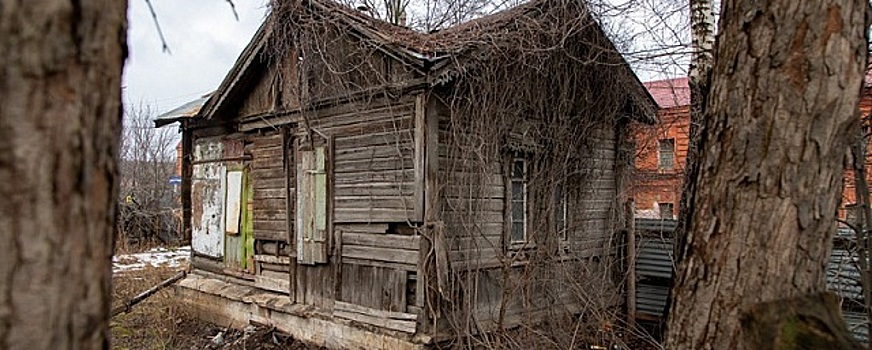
(657, 225)
(654, 269)
(843, 275)
(651, 299)
(187, 110)
(857, 325)
(654, 258)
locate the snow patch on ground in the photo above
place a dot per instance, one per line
(157, 257)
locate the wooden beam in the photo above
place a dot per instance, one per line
(398, 321)
(420, 155)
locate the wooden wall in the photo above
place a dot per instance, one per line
(473, 210)
(373, 160)
(592, 209)
(273, 186)
(372, 271)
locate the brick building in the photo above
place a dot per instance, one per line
(661, 150)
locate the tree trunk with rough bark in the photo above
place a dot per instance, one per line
(60, 114)
(785, 88)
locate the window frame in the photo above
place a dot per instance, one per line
(512, 202)
(561, 207)
(660, 154)
(671, 207)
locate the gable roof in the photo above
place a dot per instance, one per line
(435, 54)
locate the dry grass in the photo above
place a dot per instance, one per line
(157, 323)
(161, 322)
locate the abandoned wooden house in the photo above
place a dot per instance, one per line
(360, 184)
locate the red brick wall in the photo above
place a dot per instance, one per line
(652, 185)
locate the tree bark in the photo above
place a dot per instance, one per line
(785, 88)
(60, 113)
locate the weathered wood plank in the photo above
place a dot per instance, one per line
(270, 225)
(273, 152)
(271, 259)
(370, 228)
(374, 164)
(271, 215)
(372, 215)
(374, 202)
(375, 189)
(382, 240)
(486, 217)
(270, 235)
(384, 138)
(270, 173)
(263, 163)
(403, 149)
(265, 193)
(392, 315)
(465, 191)
(269, 204)
(409, 257)
(387, 176)
(385, 264)
(474, 204)
(268, 183)
(420, 154)
(273, 281)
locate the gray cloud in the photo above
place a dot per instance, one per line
(205, 40)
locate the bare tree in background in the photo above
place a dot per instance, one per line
(785, 89)
(60, 118)
(147, 162)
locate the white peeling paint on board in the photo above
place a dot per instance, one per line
(234, 198)
(207, 199)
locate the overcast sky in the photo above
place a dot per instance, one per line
(204, 40)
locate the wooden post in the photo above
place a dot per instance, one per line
(631, 265)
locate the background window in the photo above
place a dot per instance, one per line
(519, 200)
(666, 154)
(560, 211)
(666, 210)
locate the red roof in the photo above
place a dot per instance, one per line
(670, 92)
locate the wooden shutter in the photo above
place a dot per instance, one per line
(312, 206)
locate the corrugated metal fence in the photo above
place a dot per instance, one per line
(654, 271)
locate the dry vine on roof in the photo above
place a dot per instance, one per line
(536, 82)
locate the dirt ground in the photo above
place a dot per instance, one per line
(160, 322)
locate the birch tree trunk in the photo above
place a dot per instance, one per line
(702, 24)
(60, 113)
(785, 89)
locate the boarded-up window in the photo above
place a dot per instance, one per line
(519, 201)
(312, 205)
(666, 210)
(666, 154)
